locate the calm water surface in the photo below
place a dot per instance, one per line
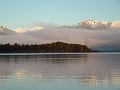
(100, 71)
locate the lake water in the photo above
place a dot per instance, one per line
(90, 71)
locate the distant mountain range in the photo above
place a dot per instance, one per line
(87, 24)
(94, 24)
(98, 35)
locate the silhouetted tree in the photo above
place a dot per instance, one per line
(43, 48)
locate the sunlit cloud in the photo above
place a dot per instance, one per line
(23, 30)
(106, 38)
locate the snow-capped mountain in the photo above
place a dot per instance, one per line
(94, 24)
(87, 24)
(4, 31)
(2, 28)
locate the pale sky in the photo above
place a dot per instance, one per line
(22, 13)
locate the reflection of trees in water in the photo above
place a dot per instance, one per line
(36, 63)
(55, 66)
(41, 58)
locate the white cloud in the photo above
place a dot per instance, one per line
(101, 38)
(23, 30)
(116, 24)
(36, 28)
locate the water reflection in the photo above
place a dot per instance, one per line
(86, 69)
(101, 79)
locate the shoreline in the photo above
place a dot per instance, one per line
(12, 54)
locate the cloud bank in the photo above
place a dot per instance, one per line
(107, 38)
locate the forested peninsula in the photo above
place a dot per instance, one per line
(55, 47)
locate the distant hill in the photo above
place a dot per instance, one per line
(55, 47)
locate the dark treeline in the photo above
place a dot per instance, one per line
(43, 48)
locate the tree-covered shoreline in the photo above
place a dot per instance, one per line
(55, 47)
